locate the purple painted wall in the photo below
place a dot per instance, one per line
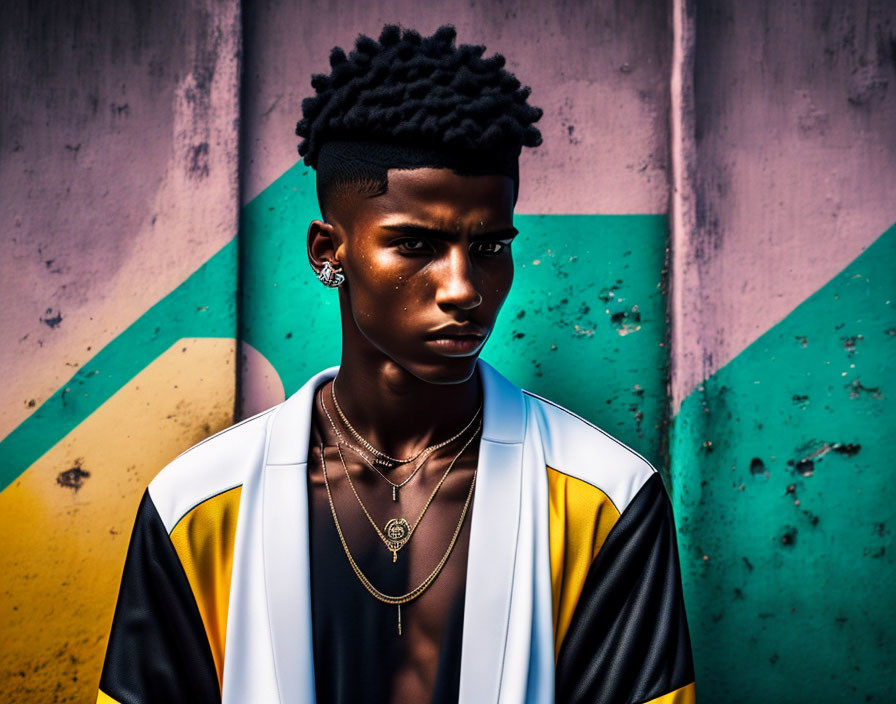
(118, 174)
(792, 165)
(599, 70)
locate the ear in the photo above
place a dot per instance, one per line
(322, 244)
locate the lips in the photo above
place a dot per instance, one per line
(457, 330)
(457, 339)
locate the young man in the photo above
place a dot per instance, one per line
(411, 526)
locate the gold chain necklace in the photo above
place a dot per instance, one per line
(368, 585)
(397, 531)
(425, 455)
(382, 457)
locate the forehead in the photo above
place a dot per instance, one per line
(440, 197)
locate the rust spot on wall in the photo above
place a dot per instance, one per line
(805, 467)
(52, 318)
(800, 400)
(849, 343)
(626, 321)
(198, 160)
(848, 449)
(857, 388)
(788, 537)
(73, 478)
(813, 451)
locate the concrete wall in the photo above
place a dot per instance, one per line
(785, 336)
(147, 194)
(593, 198)
(118, 191)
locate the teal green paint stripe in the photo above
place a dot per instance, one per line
(583, 325)
(599, 276)
(785, 502)
(202, 306)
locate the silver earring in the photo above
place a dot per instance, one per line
(331, 276)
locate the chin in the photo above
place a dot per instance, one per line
(447, 370)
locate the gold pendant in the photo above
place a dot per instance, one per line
(397, 532)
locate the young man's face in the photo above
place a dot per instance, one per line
(427, 266)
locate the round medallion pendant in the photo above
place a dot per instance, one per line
(397, 531)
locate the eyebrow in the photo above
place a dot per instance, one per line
(410, 229)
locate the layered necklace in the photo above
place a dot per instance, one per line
(380, 457)
(397, 531)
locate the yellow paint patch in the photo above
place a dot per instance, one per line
(580, 518)
(67, 520)
(204, 540)
(684, 695)
(103, 698)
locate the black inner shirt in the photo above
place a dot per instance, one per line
(358, 653)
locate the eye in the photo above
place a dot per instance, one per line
(489, 248)
(414, 245)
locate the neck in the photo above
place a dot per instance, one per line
(399, 413)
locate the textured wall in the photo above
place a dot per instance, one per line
(118, 180)
(129, 217)
(785, 336)
(589, 280)
(599, 69)
(794, 127)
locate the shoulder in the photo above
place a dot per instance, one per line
(578, 449)
(209, 469)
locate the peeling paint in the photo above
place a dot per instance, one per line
(804, 528)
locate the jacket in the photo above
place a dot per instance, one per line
(573, 588)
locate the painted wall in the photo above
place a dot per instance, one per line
(118, 206)
(147, 194)
(785, 339)
(588, 294)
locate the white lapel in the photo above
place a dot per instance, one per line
(287, 567)
(493, 539)
(490, 564)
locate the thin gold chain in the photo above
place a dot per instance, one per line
(426, 454)
(385, 540)
(383, 455)
(368, 585)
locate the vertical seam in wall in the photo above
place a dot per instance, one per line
(682, 147)
(240, 243)
(683, 160)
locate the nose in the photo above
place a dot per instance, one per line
(455, 287)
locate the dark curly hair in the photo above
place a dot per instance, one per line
(420, 93)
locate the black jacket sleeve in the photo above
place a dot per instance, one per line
(158, 649)
(628, 641)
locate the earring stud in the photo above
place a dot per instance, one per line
(330, 276)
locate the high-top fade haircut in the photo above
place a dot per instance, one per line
(407, 102)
